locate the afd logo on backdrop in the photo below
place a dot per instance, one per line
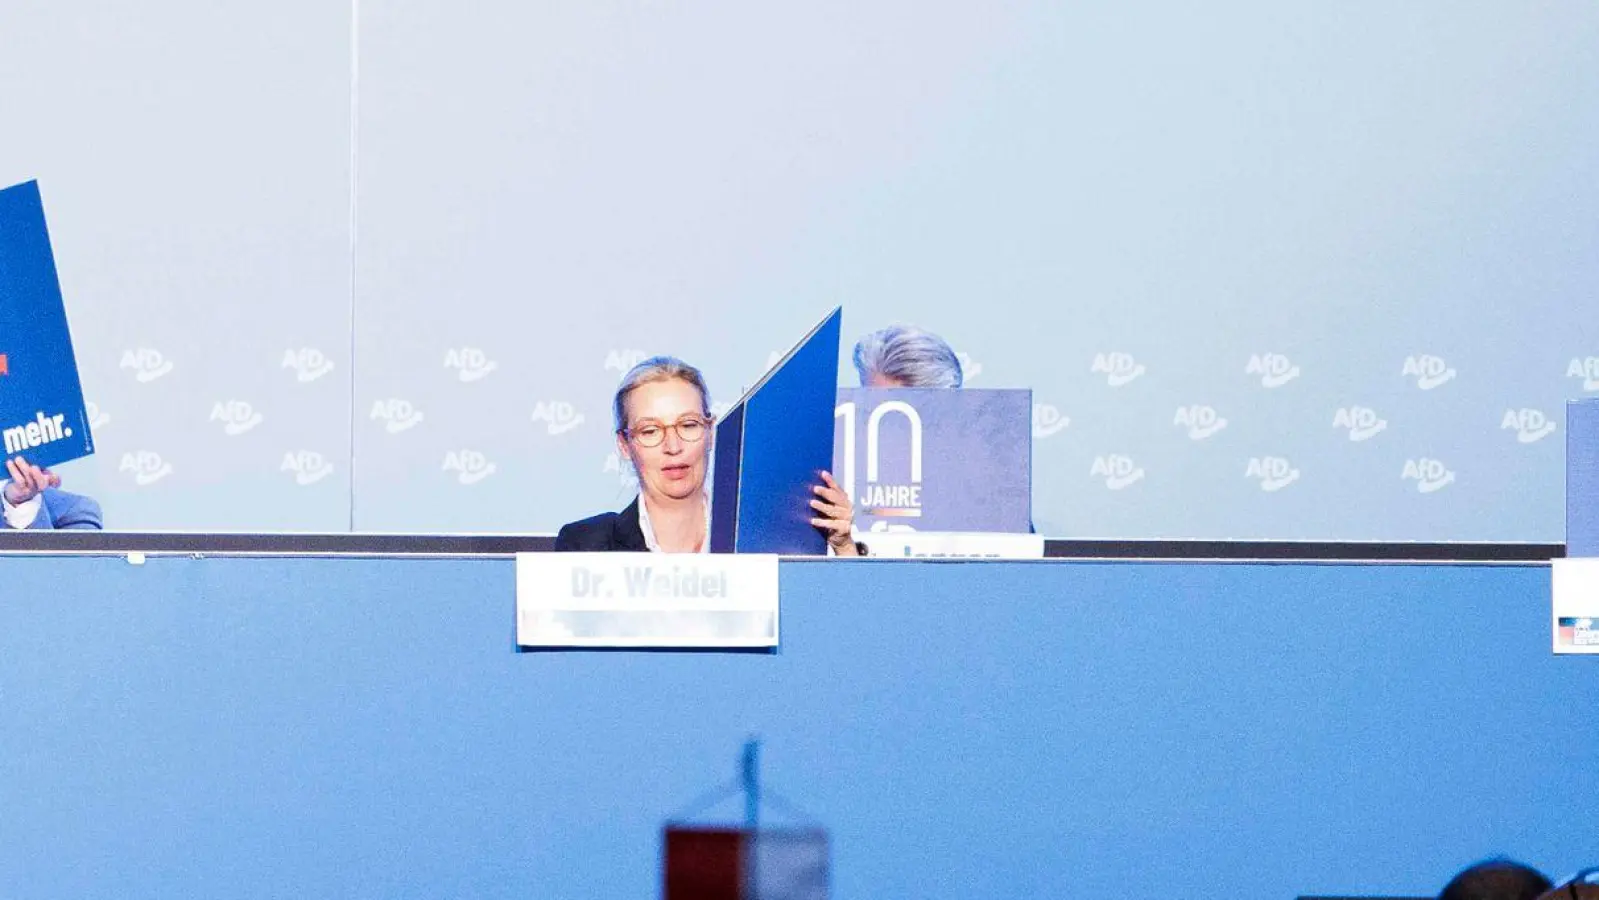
(469, 363)
(1048, 421)
(236, 416)
(308, 466)
(308, 364)
(1119, 471)
(1429, 474)
(1587, 370)
(1362, 424)
(1530, 425)
(1273, 472)
(98, 419)
(621, 468)
(1201, 421)
(620, 361)
(469, 466)
(1428, 370)
(1274, 369)
(145, 467)
(396, 415)
(1118, 368)
(558, 416)
(30, 435)
(147, 364)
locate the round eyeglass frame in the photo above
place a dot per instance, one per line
(674, 427)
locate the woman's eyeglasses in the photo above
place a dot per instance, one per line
(689, 430)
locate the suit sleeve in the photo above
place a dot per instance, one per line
(566, 539)
(78, 513)
(581, 537)
(587, 535)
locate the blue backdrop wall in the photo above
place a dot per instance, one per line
(1274, 269)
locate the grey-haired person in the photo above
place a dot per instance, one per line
(906, 356)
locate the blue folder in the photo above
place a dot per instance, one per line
(770, 448)
(42, 416)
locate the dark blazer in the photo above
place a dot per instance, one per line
(604, 532)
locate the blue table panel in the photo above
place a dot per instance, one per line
(249, 727)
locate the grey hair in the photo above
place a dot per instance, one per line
(909, 355)
(659, 368)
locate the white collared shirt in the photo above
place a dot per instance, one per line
(649, 531)
(22, 515)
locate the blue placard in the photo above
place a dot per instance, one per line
(42, 417)
(1582, 478)
(770, 448)
(936, 460)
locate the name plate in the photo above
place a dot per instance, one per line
(1576, 605)
(646, 600)
(953, 545)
